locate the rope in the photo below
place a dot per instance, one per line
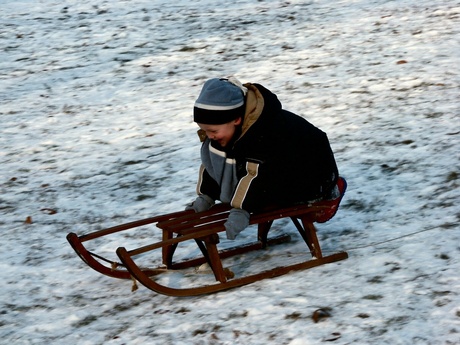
(449, 225)
(114, 264)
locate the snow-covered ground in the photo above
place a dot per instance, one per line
(96, 130)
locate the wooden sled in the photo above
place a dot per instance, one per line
(204, 229)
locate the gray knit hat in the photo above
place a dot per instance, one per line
(220, 101)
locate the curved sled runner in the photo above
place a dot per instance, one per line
(204, 228)
(98, 262)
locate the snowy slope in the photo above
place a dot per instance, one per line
(96, 130)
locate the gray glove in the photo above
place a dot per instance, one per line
(238, 220)
(201, 203)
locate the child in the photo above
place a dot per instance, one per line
(256, 154)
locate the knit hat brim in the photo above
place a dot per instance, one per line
(217, 117)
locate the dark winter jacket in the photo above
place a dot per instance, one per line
(278, 159)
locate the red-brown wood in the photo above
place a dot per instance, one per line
(204, 228)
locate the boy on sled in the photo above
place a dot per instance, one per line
(255, 154)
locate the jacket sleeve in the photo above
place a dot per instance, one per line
(243, 195)
(207, 185)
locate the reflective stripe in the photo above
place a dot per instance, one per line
(244, 184)
(216, 151)
(200, 180)
(218, 106)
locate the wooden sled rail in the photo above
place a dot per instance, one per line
(143, 278)
(99, 263)
(204, 229)
(116, 269)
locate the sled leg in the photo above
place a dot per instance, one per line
(308, 232)
(168, 251)
(204, 250)
(212, 254)
(262, 232)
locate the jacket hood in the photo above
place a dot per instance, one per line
(260, 103)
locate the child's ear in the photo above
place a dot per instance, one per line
(238, 121)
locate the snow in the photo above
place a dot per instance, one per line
(96, 130)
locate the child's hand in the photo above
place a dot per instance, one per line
(201, 203)
(238, 220)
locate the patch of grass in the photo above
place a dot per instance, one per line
(199, 332)
(452, 176)
(190, 49)
(356, 205)
(442, 302)
(407, 142)
(243, 313)
(216, 328)
(441, 293)
(373, 297)
(183, 310)
(293, 316)
(434, 115)
(378, 332)
(347, 232)
(363, 316)
(132, 162)
(395, 266)
(398, 320)
(375, 280)
(443, 256)
(122, 307)
(143, 197)
(85, 321)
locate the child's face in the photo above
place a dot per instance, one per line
(223, 134)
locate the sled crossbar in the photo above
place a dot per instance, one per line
(204, 229)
